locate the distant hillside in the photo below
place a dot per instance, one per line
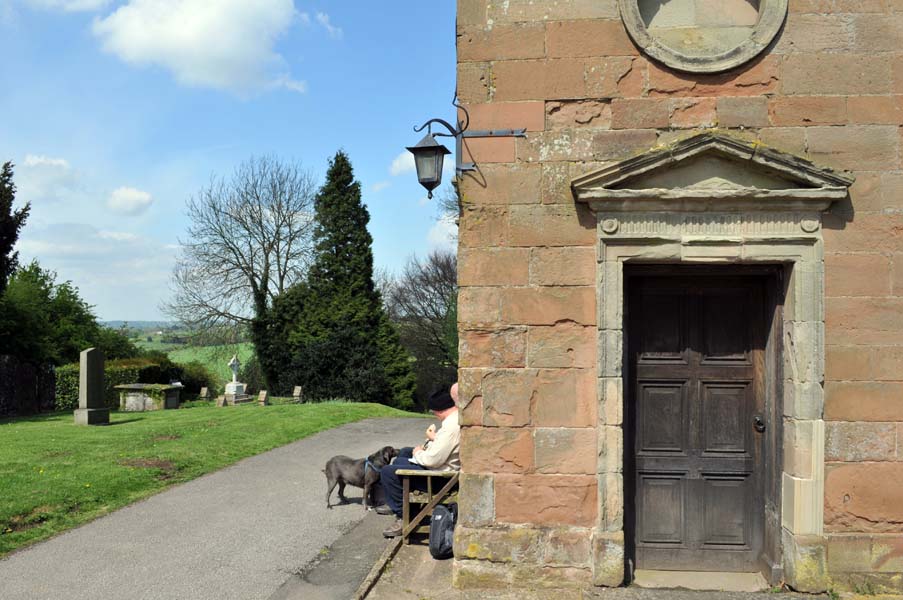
(138, 324)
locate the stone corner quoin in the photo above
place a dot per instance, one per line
(804, 177)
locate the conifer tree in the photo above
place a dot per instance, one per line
(11, 222)
(330, 333)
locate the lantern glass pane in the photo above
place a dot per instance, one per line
(426, 165)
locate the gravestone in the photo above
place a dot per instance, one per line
(263, 398)
(91, 409)
(235, 390)
(298, 394)
(204, 394)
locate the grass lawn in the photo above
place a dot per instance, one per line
(55, 475)
(216, 358)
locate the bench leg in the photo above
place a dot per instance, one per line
(405, 508)
(408, 528)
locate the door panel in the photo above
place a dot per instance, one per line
(695, 347)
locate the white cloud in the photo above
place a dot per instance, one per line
(335, 33)
(129, 201)
(44, 179)
(227, 44)
(68, 5)
(443, 235)
(403, 163)
(380, 186)
(125, 275)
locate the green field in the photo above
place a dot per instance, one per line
(55, 475)
(215, 358)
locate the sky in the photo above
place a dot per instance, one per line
(115, 112)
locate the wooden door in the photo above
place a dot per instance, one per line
(695, 420)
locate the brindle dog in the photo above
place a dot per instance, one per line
(361, 472)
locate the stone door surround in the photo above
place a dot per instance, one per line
(714, 199)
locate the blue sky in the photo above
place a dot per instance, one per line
(115, 112)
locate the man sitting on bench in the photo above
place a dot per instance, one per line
(440, 454)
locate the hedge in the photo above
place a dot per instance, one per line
(126, 371)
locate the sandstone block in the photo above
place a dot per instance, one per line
(470, 385)
(515, 80)
(742, 111)
(640, 113)
(841, 74)
(563, 266)
(578, 113)
(562, 10)
(612, 412)
(493, 267)
(590, 38)
(502, 42)
(814, 33)
(496, 450)
(608, 559)
(489, 150)
(562, 451)
(874, 33)
(498, 545)
(857, 275)
(868, 232)
(864, 401)
(508, 397)
(807, 110)
(546, 499)
(555, 145)
(618, 145)
(507, 115)
(837, 6)
(616, 77)
(867, 318)
(565, 398)
(761, 77)
(504, 184)
(476, 500)
(562, 345)
(479, 306)
(482, 226)
(864, 497)
(471, 12)
(849, 363)
(867, 147)
(857, 442)
(556, 183)
(688, 113)
(501, 348)
(567, 547)
(788, 139)
(473, 82)
(805, 562)
(480, 574)
(472, 414)
(849, 554)
(567, 582)
(548, 305)
(875, 110)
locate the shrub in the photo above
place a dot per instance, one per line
(252, 375)
(195, 376)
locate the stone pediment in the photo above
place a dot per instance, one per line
(712, 172)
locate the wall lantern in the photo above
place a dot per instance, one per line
(429, 154)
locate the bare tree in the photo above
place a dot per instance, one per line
(423, 304)
(250, 239)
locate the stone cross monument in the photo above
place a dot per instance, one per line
(91, 409)
(235, 391)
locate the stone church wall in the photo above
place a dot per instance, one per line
(829, 88)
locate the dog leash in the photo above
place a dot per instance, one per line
(367, 463)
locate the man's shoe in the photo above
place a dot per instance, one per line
(383, 509)
(394, 530)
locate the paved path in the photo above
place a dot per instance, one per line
(237, 533)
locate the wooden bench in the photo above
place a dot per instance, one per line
(427, 500)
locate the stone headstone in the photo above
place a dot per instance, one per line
(91, 409)
(263, 398)
(204, 394)
(298, 394)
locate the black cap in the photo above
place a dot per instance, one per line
(440, 400)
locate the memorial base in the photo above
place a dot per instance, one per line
(92, 416)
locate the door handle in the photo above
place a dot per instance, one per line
(759, 423)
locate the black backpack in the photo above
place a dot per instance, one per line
(442, 530)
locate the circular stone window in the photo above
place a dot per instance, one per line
(703, 36)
